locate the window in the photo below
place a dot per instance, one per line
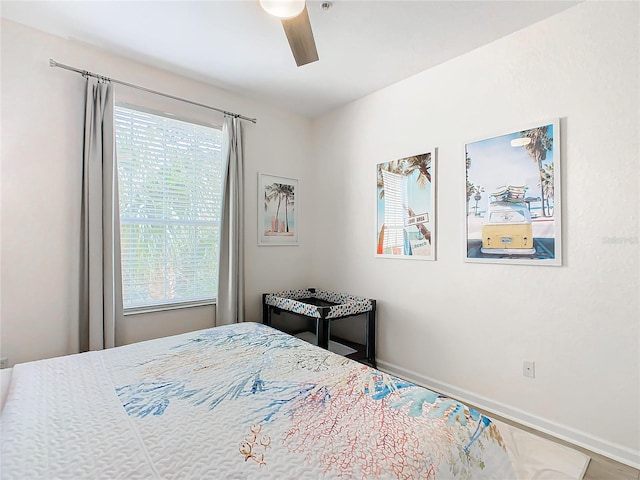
(170, 175)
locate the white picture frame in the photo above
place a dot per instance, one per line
(516, 178)
(277, 210)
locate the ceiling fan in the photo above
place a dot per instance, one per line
(297, 27)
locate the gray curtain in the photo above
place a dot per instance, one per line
(230, 303)
(100, 270)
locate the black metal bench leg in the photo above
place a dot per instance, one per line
(323, 333)
(266, 311)
(371, 335)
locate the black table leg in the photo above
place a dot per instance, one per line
(266, 311)
(371, 335)
(323, 333)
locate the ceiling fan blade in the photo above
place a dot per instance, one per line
(300, 36)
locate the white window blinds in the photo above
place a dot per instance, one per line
(170, 185)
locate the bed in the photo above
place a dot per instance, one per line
(245, 401)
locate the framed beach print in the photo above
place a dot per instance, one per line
(513, 203)
(405, 208)
(277, 210)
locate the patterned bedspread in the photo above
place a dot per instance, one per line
(236, 402)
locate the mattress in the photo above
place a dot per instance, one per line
(238, 402)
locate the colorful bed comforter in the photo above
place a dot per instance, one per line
(236, 402)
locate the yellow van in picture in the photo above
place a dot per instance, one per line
(507, 230)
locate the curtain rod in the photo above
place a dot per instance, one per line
(84, 73)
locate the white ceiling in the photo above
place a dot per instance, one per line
(363, 45)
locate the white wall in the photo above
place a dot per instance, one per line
(466, 328)
(42, 121)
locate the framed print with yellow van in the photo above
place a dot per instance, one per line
(513, 204)
(405, 208)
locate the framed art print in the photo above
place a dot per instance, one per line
(277, 210)
(405, 208)
(512, 208)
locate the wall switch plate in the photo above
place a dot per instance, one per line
(4, 362)
(529, 369)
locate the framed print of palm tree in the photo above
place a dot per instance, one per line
(512, 210)
(405, 208)
(277, 210)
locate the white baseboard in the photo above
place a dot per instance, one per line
(610, 450)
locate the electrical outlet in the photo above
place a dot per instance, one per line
(4, 362)
(529, 369)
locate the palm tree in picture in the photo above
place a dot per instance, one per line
(470, 186)
(272, 192)
(547, 186)
(537, 148)
(406, 166)
(477, 191)
(289, 199)
(419, 163)
(422, 165)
